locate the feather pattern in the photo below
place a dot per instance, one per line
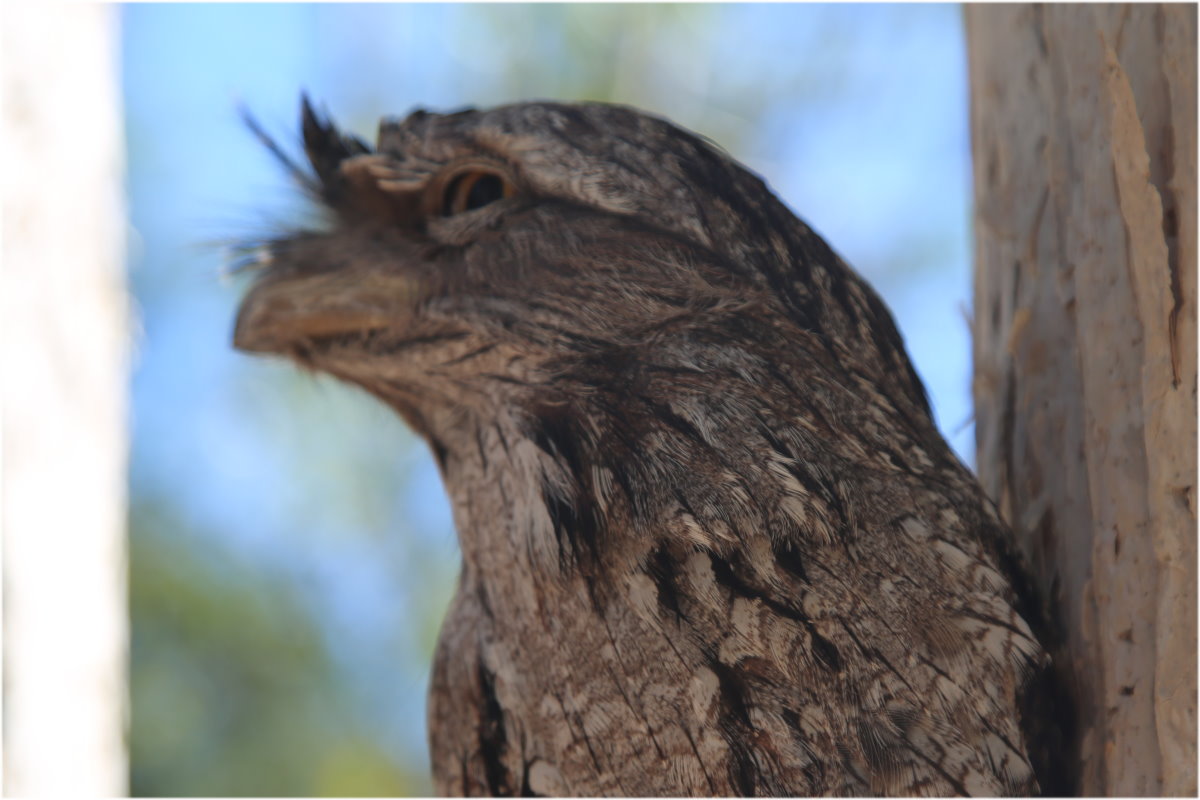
(712, 540)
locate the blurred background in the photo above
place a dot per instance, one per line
(292, 551)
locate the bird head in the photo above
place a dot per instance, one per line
(540, 256)
(484, 255)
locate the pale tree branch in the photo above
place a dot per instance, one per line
(65, 350)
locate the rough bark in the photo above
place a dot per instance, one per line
(64, 398)
(1084, 138)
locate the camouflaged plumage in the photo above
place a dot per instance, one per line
(712, 542)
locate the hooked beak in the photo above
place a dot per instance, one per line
(281, 312)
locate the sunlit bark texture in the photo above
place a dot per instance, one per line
(1084, 137)
(64, 394)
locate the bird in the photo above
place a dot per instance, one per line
(712, 541)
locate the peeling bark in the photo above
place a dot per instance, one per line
(1084, 138)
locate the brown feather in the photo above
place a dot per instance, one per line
(712, 541)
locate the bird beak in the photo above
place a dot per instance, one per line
(282, 312)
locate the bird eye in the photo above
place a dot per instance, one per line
(474, 189)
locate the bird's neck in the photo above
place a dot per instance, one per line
(604, 474)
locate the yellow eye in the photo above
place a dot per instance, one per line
(474, 189)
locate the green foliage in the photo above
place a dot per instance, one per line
(233, 692)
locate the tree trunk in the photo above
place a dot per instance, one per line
(1084, 138)
(64, 395)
